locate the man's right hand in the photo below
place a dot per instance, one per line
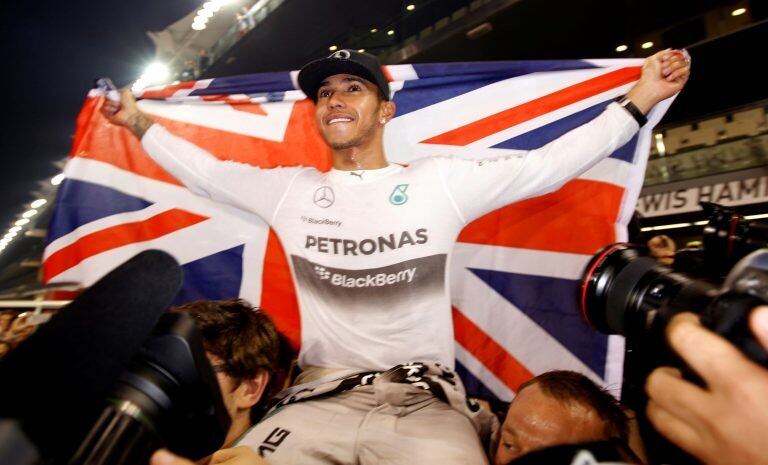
(126, 113)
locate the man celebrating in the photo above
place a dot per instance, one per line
(368, 244)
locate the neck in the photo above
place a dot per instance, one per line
(361, 157)
(241, 422)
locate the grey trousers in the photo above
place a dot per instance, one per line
(386, 423)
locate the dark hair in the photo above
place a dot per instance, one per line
(569, 386)
(243, 337)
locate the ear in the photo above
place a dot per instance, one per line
(387, 110)
(251, 390)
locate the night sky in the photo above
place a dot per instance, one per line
(51, 53)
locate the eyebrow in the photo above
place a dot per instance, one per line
(346, 79)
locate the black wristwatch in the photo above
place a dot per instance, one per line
(633, 110)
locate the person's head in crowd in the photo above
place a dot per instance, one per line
(5, 347)
(662, 248)
(6, 318)
(246, 353)
(20, 328)
(558, 407)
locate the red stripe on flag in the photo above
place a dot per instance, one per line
(278, 295)
(167, 91)
(492, 124)
(488, 352)
(387, 73)
(578, 218)
(118, 236)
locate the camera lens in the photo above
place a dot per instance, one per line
(624, 292)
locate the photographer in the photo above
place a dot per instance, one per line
(244, 349)
(726, 422)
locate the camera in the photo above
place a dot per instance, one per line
(129, 377)
(624, 291)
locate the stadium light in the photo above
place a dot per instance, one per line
(198, 26)
(333, 48)
(361, 50)
(21, 222)
(410, 7)
(10, 235)
(390, 32)
(56, 180)
(374, 31)
(647, 45)
(622, 48)
(738, 11)
(156, 72)
(15, 229)
(205, 13)
(29, 213)
(38, 203)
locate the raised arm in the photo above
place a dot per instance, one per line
(481, 186)
(239, 184)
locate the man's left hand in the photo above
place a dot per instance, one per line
(663, 75)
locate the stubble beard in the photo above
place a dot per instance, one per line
(364, 134)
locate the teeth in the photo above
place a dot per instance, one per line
(339, 120)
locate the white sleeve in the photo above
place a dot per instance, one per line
(478, 187)
(247, 187)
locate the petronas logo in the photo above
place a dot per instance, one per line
(399, 196)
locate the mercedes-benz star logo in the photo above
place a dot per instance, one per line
(324, 197)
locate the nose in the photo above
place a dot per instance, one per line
(336, 100)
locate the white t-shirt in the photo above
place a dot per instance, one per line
(369, 250)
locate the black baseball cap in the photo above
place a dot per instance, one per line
(359, 64)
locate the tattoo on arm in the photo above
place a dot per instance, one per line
(139, 124)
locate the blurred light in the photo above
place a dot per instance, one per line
(333, 48)
(155, 73)
(390, 32)
(15, 229)
(667, 226)
(647, 45)
(660, 147)
(738, 12)
(374, 31)
(198, 26)
(622, 48)
(361, 50)
(410, 7)
(21, 222)
(204, 14)
(10, 235)
(29, 213)
(38, 203)
(56, 180)
(756, 217)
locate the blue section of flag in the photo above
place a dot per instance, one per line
(252, 84)
(81, 202)
(214, 277)
(552, 304)
(543, 135)
(474, 387)
(442, 81)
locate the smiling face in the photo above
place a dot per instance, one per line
(350, 111)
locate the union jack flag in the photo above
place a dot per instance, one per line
(515, 271)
